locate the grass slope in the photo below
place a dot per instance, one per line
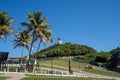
(57, 78)
(63, 64)
(3, 78)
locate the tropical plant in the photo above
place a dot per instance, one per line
(38, 28)
(5, 25)
(48, 35)
(115, 58)
(22, 40)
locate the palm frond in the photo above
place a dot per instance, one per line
(38, 28)
(22, 40)
(25, 24)
(5, 24)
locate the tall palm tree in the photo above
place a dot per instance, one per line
(22, 40)
(37, 27)
(5, 25)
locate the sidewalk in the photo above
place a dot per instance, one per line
(15, 76)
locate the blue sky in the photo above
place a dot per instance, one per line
(95, 23)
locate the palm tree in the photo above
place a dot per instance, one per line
(37, 27)
(22, 40)
(5, 25)
(48, 38)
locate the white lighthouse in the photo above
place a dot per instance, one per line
(59, 41)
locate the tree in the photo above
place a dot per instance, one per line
(38, 28)
(66, 49)
(103, 57)
(22, 40)
(48, 38)
(115, 58)
(5, 25)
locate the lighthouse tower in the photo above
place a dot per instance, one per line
(59, 41)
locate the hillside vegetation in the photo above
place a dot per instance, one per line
(107, 59)
(67, 49)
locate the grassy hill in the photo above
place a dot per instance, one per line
(63, 64)
(80, 52)
(67, 49)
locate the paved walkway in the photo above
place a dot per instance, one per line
(15, 76)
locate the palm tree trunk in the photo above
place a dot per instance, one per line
(33, 40)
(30, 49)
(39, 46)
(28, 65)
(44, 44)
(22, 56)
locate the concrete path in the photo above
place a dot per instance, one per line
(15, 76)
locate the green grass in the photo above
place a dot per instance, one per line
(107, 73)
(57, 78)
(3, 78)
(63, 64)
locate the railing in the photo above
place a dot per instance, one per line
(56, 72)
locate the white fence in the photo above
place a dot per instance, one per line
(56, 72)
